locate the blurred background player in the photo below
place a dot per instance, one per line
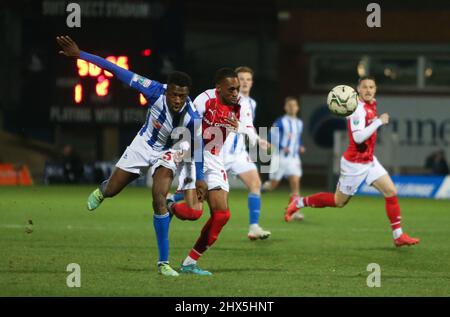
(169, 107)
(237, 160)
(220, 111)
(358, 164)
(73, 165)
(286, 162)
(436, 164)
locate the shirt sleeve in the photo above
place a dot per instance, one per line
(362, 135)
(246, 116)
(357, 120)
(200, 102)
(151, 89)
(358, 127)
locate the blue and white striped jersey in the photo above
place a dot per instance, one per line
(161, 128)
(287, 136)
(160, 123)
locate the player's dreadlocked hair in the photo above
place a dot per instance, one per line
(223, 73)
(180, 79)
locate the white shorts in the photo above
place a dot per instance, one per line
(239, 163)
(139, 157)
(214, 171)
(353, 174)
(186, 176)
(282, 166)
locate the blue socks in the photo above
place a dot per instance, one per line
(161, 225)
(178, 196)
(254, 207)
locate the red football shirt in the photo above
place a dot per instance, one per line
(214, 127)
(363, 116)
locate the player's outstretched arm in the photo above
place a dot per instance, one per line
(362, 135)
(142, 84)
(68, 46)
(70, 49)
(243, 127)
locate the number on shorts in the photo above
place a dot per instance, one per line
(167, 156)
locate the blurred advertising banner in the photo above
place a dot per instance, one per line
(437, 187)
(419, 125)
(13, 175)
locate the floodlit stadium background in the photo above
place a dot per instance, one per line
(296, 48)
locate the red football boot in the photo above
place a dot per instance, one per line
(291, 209)
(404, 239)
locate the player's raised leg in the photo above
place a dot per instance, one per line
(319, 200)
(294, 184)
(187, 202)
(385, 186)
(189, 209)
(253, 182)
(162, 179)
(118, 180)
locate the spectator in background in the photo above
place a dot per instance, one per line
(72, 164)
(437, 163)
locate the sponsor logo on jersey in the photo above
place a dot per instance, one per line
(145, 82)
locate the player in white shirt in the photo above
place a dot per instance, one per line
(237, 160)
(286, 161)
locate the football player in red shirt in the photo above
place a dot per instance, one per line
(220, 112)
(358, 164)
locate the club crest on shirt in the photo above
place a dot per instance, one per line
(156, 124)
(356, 120)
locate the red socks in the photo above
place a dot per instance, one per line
(183, 212)
(393, 212)
(210, 232)
(320, 200)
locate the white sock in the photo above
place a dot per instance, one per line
(189, 261)
(254, 226)
(397, 233)
(300, 203)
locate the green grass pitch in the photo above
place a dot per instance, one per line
(325, 255)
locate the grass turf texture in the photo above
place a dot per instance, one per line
(326, 255)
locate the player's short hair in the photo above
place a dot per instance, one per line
(223, 73)
(180, 79)
(244, 69)
(290, 98)
(365, 78)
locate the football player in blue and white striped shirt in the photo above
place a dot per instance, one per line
(170, 109)
(286, 161)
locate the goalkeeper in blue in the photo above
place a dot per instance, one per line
(170, 114)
